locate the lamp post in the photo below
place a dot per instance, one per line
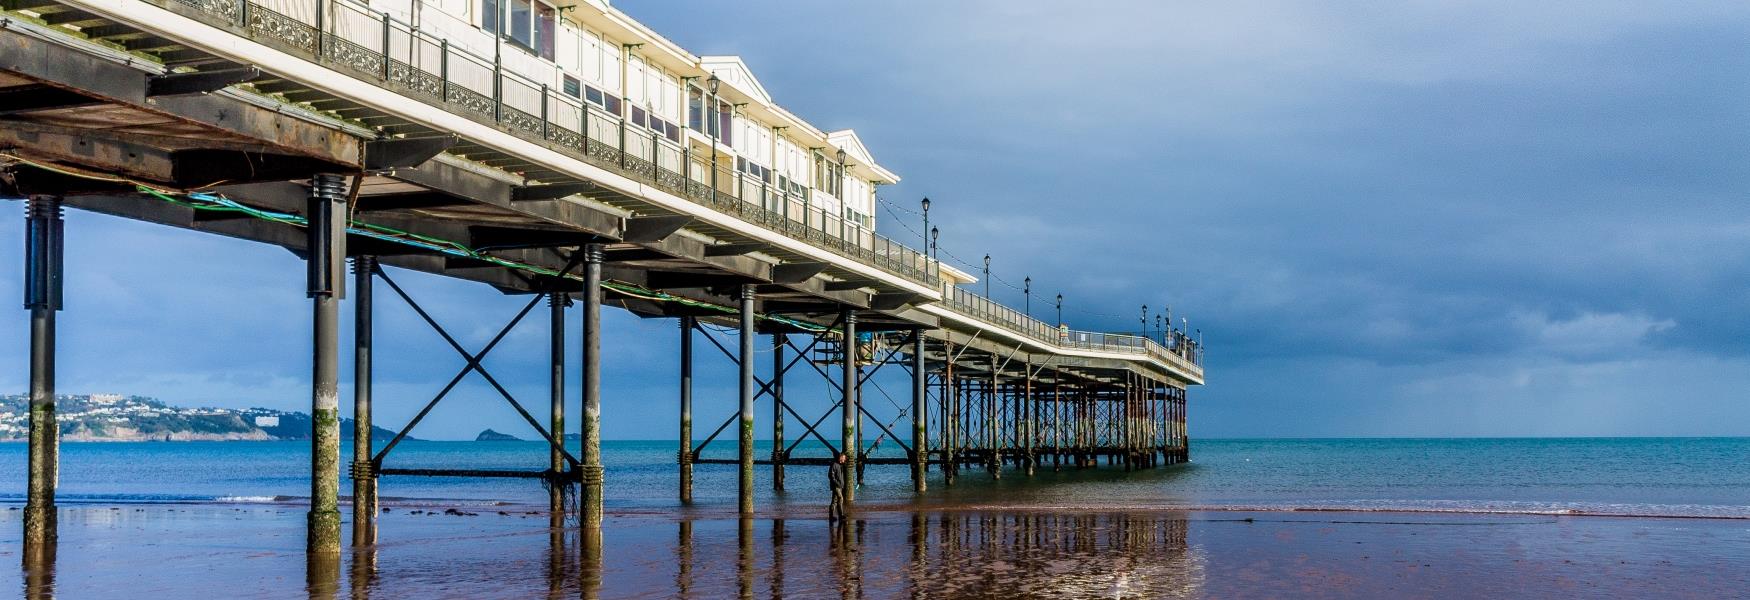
(987, 276)
(937, 252)
(1027, 291)
(1158, 328)
(1060, 310)
(713, 124)
(926, 204)
(1144, 320)
(1167, 334)
(838, 191)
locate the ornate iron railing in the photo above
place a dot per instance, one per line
(1181, 352)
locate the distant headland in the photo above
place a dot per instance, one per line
(118, 418)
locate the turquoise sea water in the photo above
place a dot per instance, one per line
(1621, 476)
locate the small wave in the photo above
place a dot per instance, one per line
(1382, 507)
(255, 499)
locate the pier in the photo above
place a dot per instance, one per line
(577, 159)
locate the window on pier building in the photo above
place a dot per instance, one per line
(597, 63)
(855, 216)
(725, 118)
(792, 166)
(696, 109)
(654, 97)
(828, 175)
(709, 122)
(528, 23)
(754, 142)
(858, 199)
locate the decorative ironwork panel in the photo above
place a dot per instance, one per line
(670, 180)
(471, 100)
(565, 137)
(356, 57)
(522, 120)
(699, 191)
(282, 28)
(643, 169)
(602, 152)
(226, 9)
(417, 80)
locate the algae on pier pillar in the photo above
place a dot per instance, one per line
(325, 257)
(744, 445)
(590, 473)
(686, 436)
(993, 441)
(364, 477)
(778, 341)
(43, 247)
(848, 409)
(556, 302)
(919, 427)
(1026, 410)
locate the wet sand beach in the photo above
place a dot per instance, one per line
(256, 551)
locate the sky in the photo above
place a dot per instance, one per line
(1400, 219)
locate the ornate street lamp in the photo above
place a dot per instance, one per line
(926, 204)
(1060, 310)
(1027, 291)
(713, 124)
(987, 276)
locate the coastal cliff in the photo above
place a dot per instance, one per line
(116, 418)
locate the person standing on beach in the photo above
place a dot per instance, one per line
(835, 483)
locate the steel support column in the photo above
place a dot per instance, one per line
(777, 387)
(950, 401)
(686, 436)
(992, 397)
(556, 302)
(1027, 410)
(848, 410)
(364, 477)
(590, 471)
(748, 389)
(325, 251)
(919, 426)
(42, 267)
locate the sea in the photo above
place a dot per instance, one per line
(1655, 477)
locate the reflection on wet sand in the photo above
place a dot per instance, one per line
(362, 574)
(39, 571)
(683, 577)
(322, 574)
(960, 555)
(916, 555)
(1057, 555)
(875, 554)
(245, 552)
(779, 539)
